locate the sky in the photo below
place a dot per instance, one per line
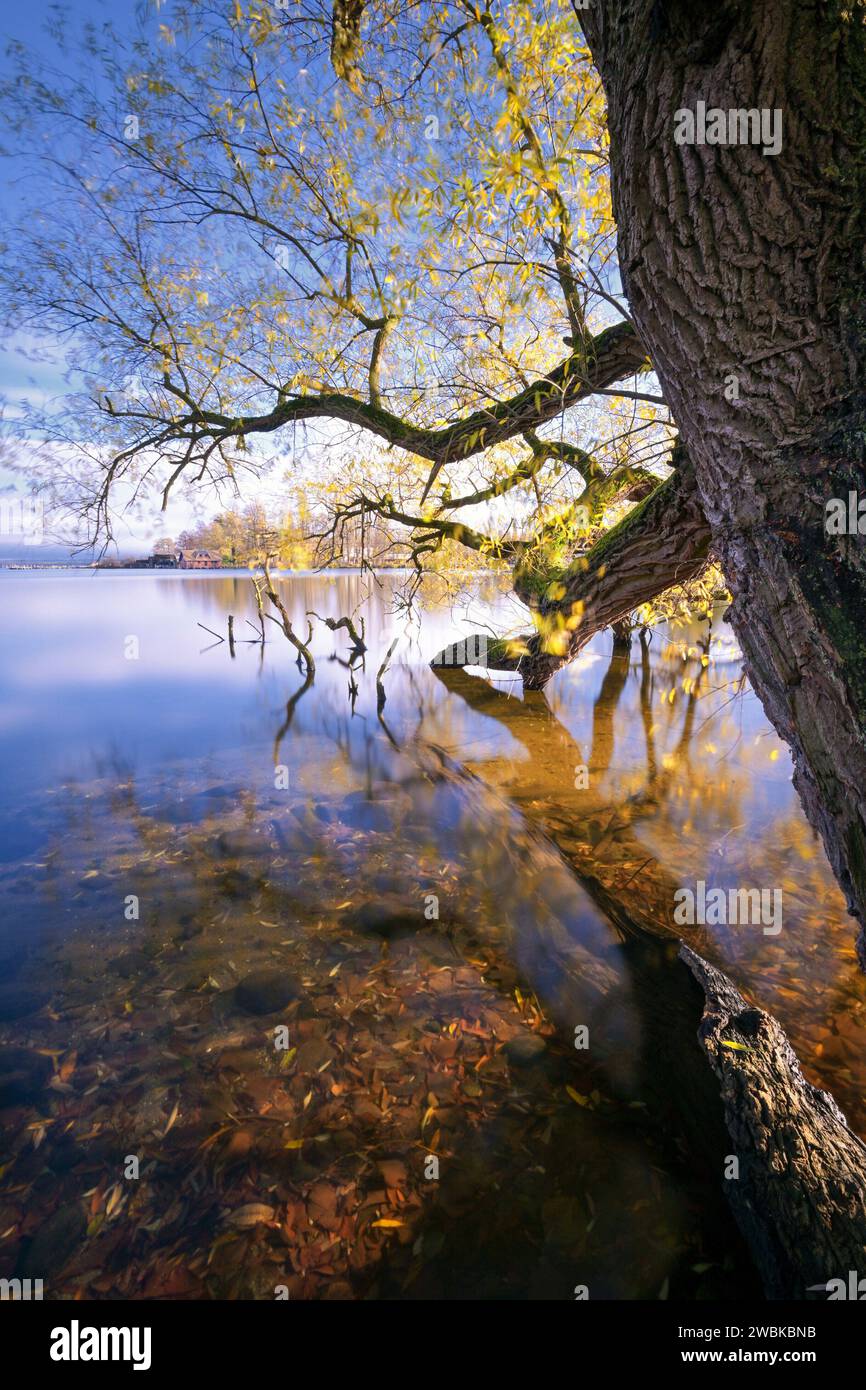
(32, 369)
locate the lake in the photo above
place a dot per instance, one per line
(311, 990)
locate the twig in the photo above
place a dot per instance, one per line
(380, 689)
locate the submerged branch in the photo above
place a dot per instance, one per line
(285, 622)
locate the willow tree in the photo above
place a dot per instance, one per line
(391, 224)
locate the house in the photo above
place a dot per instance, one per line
(161, 560)
(200, 560)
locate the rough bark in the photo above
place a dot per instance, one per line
(747, 270)
(800, 1197)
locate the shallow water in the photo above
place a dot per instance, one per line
(178, 814)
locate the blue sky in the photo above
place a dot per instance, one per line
(26, 23)
(24, 372)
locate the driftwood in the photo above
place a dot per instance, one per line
(800, 1198)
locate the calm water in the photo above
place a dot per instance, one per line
(410, 879)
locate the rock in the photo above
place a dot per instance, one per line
(386, 919)
(235, 883)
(240, 1059)
(19, 1001)
(314, 1054)
(221, 792)
(23, 1075)
(53, 1244)
(242, 844)
(189, 928)
(265, 991)
(525, 1049)
(65, 1154)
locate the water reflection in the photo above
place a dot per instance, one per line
(304, 843)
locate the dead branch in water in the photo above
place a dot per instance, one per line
(380, 689)
(285, 622)
(260, 607)
(359, 646)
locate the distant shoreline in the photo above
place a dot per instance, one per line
(17, 566)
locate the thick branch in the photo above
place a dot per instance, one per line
(613, 354)
(662, 542)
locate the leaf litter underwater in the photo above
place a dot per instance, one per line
(328, 1090)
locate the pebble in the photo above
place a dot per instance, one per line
(386, 919)
(242, 844)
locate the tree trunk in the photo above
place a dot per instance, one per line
(745, 276)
